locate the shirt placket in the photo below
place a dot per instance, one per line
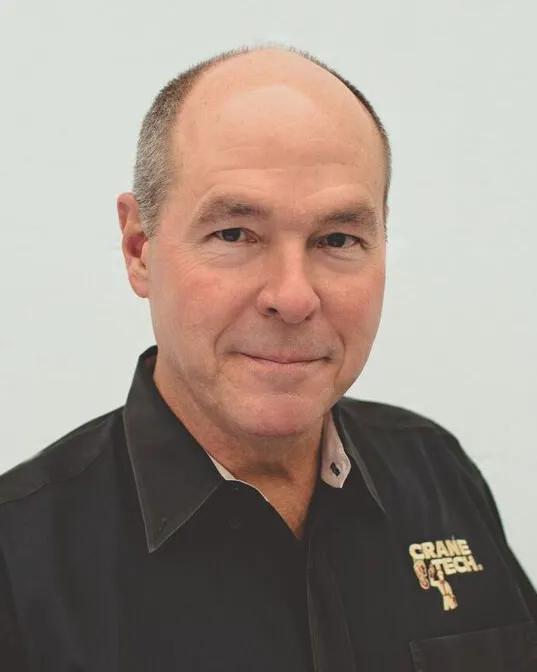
(331, 643)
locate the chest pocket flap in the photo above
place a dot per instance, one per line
(510, 648)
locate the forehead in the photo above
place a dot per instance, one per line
(292, 123)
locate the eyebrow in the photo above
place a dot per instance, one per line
(223, 207)
(359, 216)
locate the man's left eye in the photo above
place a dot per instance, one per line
(339, 239)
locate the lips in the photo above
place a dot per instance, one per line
(284, 359)
(282, 373)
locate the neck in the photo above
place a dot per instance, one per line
(289, 490)
(287, 479)
(285, 469)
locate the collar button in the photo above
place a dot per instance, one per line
(335, 469)
(235, 522)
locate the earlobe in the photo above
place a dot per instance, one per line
(134, 244)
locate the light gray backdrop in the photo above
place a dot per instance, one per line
(454, 83)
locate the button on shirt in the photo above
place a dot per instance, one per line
(125, 546)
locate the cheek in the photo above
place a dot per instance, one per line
(190, 303)
(361, 305)
(357, 320)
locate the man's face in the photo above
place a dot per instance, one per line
(255, 255)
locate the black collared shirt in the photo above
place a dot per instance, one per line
(122, 548)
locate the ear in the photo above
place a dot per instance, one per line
(135, 244)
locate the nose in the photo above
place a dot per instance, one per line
(287, 286)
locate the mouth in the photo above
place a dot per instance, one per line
(289, 367)
(283, 359)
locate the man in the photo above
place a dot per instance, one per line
(241, 513)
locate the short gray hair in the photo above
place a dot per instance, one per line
(153, 167)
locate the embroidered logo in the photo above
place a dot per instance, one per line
(433, 560)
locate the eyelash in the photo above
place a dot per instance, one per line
(358, 240)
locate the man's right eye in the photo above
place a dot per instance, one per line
(229, 235)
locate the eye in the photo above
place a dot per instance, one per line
(229, 235)
(339, 239)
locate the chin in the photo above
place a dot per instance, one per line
(278, 416)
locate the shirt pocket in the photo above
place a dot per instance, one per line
(510, 648)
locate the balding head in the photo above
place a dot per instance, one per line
(271, 90)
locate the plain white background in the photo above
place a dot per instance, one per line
(454, 83)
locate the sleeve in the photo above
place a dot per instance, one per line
(12, 655)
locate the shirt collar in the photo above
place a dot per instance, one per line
(174, 475)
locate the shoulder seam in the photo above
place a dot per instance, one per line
(410, 419)
(65, 478)
(423, 425)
